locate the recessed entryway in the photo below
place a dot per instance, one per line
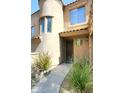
(69, 50)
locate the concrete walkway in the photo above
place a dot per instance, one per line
(52, 83)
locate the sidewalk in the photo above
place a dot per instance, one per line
(52, 83)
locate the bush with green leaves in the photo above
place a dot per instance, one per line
(81, 76)
(43, 62)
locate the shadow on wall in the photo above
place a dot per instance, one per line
(62, 57)
(34, 44)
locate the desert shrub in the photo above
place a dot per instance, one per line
(43, 62)
(81, 75)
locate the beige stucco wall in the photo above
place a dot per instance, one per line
(79, 51)
(34, 44)
(83, 49)
(50, 40)
(34, 57)
(35, 22)
(68, 8)
(91, 48)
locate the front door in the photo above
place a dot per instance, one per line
(69, 50)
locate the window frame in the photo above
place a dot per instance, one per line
(78, 23)
(47, 19)
(32, 33)
(42, 25)
(45, 26)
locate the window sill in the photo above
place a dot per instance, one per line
(77, 26)
(80, 24)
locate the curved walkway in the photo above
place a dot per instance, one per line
(52, 83)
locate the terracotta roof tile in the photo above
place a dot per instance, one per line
(73, 30)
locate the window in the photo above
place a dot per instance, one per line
(42, 25)
(32, 31)
(49, 24)
(77, 16)
(46, 24)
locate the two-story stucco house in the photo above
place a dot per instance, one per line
(64, 31)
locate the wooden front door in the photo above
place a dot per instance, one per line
(69, 50)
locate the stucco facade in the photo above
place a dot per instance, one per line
(56, 41)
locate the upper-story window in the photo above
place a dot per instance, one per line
(42, 25)
(77, 16)
(46, 24)
(49, 24)
(32, 31)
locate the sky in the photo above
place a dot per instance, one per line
(35, 7)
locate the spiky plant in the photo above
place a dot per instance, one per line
(43, 62)
(81, 76)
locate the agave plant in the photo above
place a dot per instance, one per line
(81, 76)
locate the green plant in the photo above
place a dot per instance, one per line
(81, 76)
(43, 62)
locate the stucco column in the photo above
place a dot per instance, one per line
(90, 51)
